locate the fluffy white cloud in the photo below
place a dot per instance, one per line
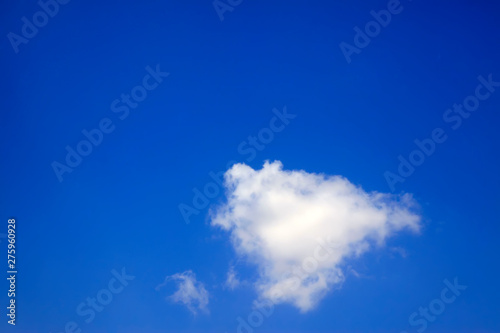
(299, 227)
(190, 292)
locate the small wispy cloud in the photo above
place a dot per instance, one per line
(232, 281)
(190, 292)
(400, 251)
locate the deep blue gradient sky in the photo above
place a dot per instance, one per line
(119, 207)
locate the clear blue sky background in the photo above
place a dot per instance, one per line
(119, 207)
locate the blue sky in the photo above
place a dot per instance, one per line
(118, 210)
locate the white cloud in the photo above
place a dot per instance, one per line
(299, 227)
(232, 281)
(190, 292)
